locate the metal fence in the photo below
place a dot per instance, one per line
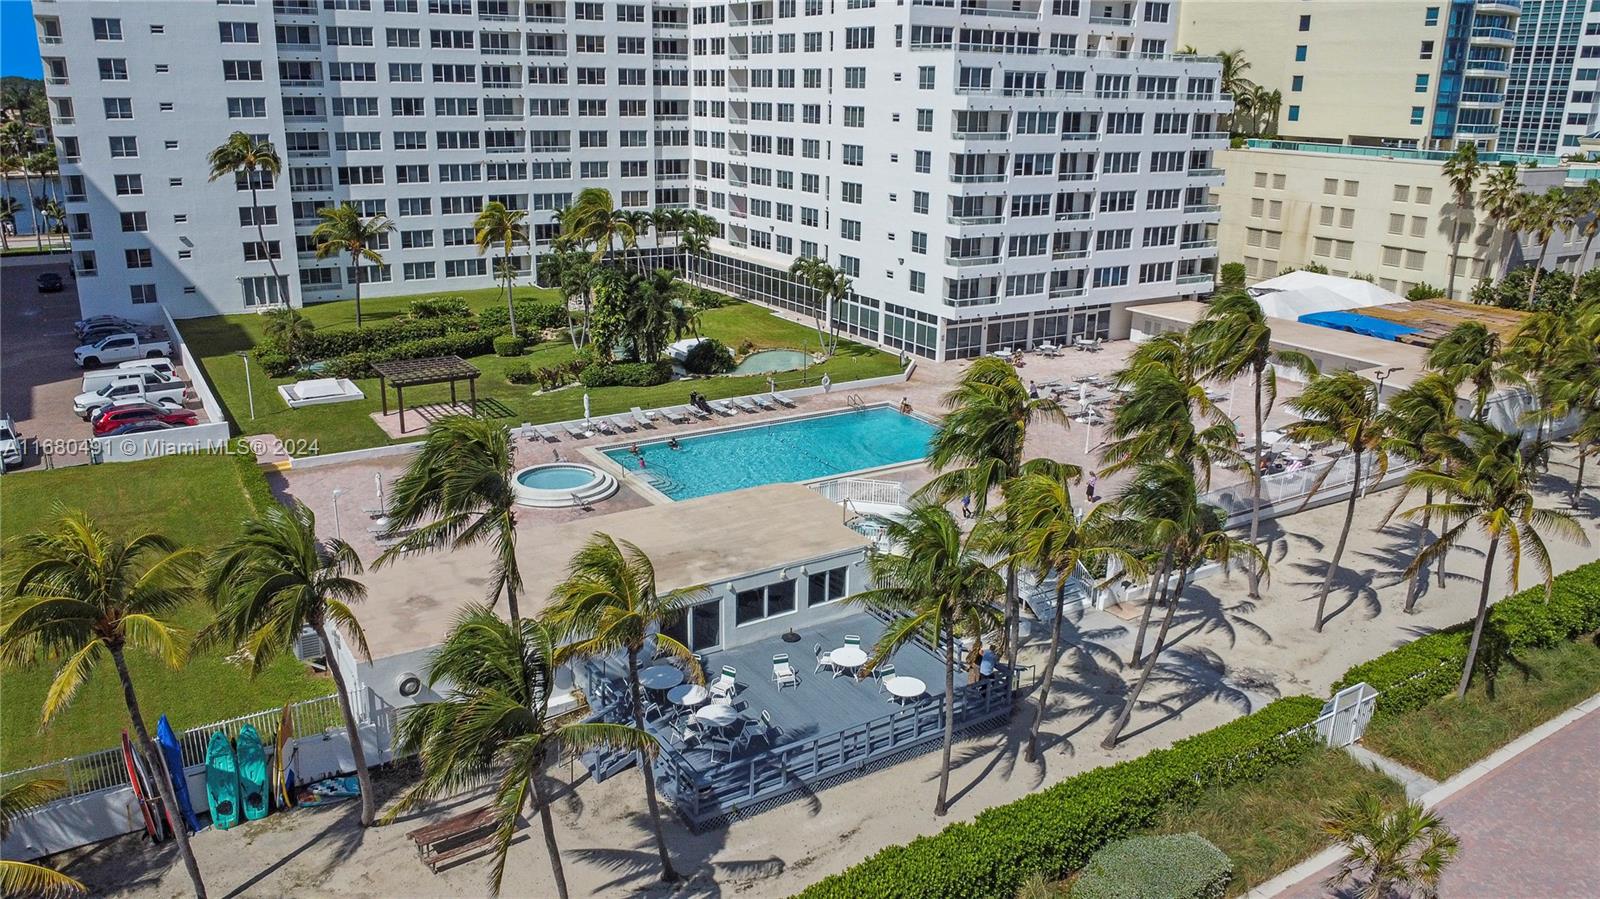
(864, 490)
(105, 769)
(1286, 491)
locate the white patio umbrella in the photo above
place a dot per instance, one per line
(586, 406)
(377, 478)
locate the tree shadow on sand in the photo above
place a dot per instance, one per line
(1349, 588)
(1197, 675)
(1202, 612)
(637, 869)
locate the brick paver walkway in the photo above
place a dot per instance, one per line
(1531, 827)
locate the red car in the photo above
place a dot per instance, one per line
(117, 416)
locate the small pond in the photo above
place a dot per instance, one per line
(772, 360)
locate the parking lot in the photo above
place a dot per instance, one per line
(38, 378)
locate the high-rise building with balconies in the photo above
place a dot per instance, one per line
(989, 173)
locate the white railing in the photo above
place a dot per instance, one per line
(1288, 491)
(864, 490)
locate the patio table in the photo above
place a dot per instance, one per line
(660, 677)
(851, 657)
(717, 715)
(903, 687)
(687, 694)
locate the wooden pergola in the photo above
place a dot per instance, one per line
(403, 373)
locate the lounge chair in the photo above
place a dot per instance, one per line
(676, 415)
(725, 686)
(744, 405)
(697, 412)
(782, 400)
(572, 431)
(546, 434)
(640, 418)
(764, 403)
(722, 407)
(603, 426)
(623, 424)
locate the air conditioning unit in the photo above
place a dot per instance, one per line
(308, 648)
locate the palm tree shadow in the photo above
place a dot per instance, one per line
(1349, 587)
(1197, 674)
(1202, 612)
(1100, 692)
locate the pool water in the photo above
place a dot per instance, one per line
(771, 360)
(554, 477)
(782, 452)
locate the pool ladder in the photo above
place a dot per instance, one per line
(855, 402)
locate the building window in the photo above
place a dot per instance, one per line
(1417, 113)
(826, 586)
(764, 602)
(1297, 83)
(142, 293)
(1300, 53)
(1427, 50)
(1422, 84)
(1430, 16)
(1294, 113)
(1305, 23)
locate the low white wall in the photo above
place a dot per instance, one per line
(197, 377)
(213, 436)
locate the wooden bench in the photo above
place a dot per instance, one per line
(455, 838)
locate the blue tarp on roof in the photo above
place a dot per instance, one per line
(1356, 323)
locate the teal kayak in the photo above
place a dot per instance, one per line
(253, 777)
(222, 781)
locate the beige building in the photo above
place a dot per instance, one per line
(1350, 209)
(1368, 72)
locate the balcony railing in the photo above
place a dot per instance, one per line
(1210, 135)
(1076, 176)
(1487, 65)
(1197, 244)
(1110, 20)
(963, 261)
(1074, 216)
(57, 80)
(1070, 254)
(1201, 208)
(972, 301)
(975, 219)
(1483, 98)
(1066, 293)
(980, 135)
(1484, 33)
(1204, 173)
(547, 20)
(1080, 135)
(979, 179)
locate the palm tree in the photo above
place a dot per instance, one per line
(276, 579)
(979, 447)
(1469, 353)
(694, 245)
(83, 595)
(1575, 372)
(685, 320)
(1053, 539)
(491, 726)
(55, 216)
(1461, 170)
(1341, 408)
(22, 878)
(1414, 416)
(936, 587)
(35, 164)
(1236, 338)
(652, 312)
(610, 604)
(594, 221)
(1543, 216)
(9, 207)
(456, 492)
(640, 222)
(1487, 485)
(1163, 503)
(1234, 65)
(1407, 848)
(288, 327)
(343, 230)
(247, 158)
(1502, 198)
(1529, 359)
(1586, 210)
(817, 274)
(498, 226)
(1156, 420)
(668, 221)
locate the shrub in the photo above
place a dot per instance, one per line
(274, 363)
(626, 374)
(464, 344)
(1057, 829)
(537, 314)
(440, 307)
(506, 345)
(343, 341)
(1427, 669)
(701, 298)
(520, 374)
(1233, 275)
(1172, 866)
(709, 357)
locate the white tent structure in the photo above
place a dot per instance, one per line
(1298, 293)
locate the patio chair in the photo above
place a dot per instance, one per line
(782, 400)
(783, 673)
(726, 685)
(640, 417)
(697, 412)
(572, 431)
(884, 674)
(744, 405)
(764, 403)
(764, 731)
(623, 423)
(603, 426)
(689, 731)
(824, 660)
(723, 744)
(723, 408)
(676, 415)
(545, 434)
(852, 639)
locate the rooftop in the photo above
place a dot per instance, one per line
(1396, 153)
(696, 542)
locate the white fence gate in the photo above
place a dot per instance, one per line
(1344, 718)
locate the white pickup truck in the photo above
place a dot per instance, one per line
(122, 347)
(95, 380)
(10, 444)
(145, 386)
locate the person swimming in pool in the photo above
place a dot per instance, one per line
(635, 450)
(642, 466)
(672, 443)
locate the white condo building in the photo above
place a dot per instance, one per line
(990, 173)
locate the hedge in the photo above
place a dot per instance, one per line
(530, 314)
(1169, 866)
(1058, 829)
(1429, 668)
(464, 343)
(440, 307)
(508, 346)
(709, 357)
(626, 374)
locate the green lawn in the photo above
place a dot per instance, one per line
(197, 501)
(1270, 825)
(347, 426)
(1447, 736)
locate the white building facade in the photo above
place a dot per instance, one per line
(988, 174)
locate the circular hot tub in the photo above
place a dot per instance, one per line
(558, 485)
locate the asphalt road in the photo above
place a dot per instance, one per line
(38, 378)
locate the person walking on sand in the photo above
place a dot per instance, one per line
(1089, 485)
(966, 506)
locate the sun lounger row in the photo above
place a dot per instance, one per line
(637, 418)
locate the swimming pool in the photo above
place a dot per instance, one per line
(781, 452)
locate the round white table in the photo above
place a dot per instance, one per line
(851, 657)
(660, 677)
(717, 715)
(902, 687)
(688, 694)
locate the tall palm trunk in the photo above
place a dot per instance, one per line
(1110, 742)
(941, 806)
(164, 787)
(1256, 564)
(355, 263)
(351, 729)
(1477, 624)
(1344, 536)
(1572, 298)
(1538, 268)
(1160, 581)
(261, 235)
(1455, 260)
(511, 307)
(1577, 482)
(1013, 616)
(550, 847)
(1032, 752)
(511, 605)
(33, 208)
(1422, 538)
(668, 875)
(1177, 594)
